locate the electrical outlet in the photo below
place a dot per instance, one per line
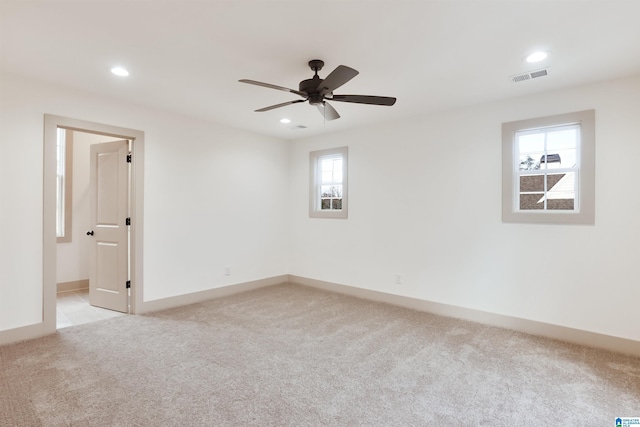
(398, 279)
(227, 271)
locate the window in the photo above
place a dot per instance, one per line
(64, 166)
(328, 183)
(549, 169)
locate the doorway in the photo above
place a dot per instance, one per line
(136, 191)
(92, 235)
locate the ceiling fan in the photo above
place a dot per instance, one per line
(318, 91)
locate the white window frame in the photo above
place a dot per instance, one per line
(315, 157)
(584, 209)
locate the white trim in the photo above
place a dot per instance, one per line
(562, 333)
(74, 285)
(47, 324)
(23, 333)
(577, 336)
(195, 297)
(51, 123)
(38, 330)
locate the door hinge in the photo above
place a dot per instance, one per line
(127, 221)
(129, 158)
(128, 284)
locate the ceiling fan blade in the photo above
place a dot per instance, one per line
(327, 111)
(279, 105)
(253, 82)
(365, 99)
(336, 78)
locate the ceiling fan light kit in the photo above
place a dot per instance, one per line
(317, 91)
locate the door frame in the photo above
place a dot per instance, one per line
(136, 194)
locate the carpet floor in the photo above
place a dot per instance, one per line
(289, 355)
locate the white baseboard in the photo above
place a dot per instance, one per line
(577, 336)
(74, 285)
(562, 333)
(22, 333)
(192, 298)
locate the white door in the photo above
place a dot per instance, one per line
(109, 257)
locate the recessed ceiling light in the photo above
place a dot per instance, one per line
(119, 71)
(285, 121)
(537, 56)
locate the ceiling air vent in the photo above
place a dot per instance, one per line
(530, 75)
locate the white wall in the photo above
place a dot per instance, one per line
(214, 196)
(425, 203)
(425, 198)
(73, 257)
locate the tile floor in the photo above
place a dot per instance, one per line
(73, 309)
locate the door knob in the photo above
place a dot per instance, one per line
(90, 233)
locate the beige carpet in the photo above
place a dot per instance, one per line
(288, 355)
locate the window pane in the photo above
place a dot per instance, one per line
(530, 143)
(530, 149)
(337, 174)
(337, 204)
(527, 162)
(60, 171)
(325, 191)
(530, 183)
(331, 171)
(59, 207)
(562, 144)
(60, 151)
(562, 140)
(561, 194)
(531, 201)
(337, 164)
(325, 204)
(566, 158)
(560, 204)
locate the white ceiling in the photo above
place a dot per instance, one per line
(187, 56)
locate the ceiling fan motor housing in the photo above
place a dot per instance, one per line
(310, 86)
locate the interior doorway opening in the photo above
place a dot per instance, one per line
(78, 300)
(72, 278)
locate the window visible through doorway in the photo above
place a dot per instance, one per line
(64, 168)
